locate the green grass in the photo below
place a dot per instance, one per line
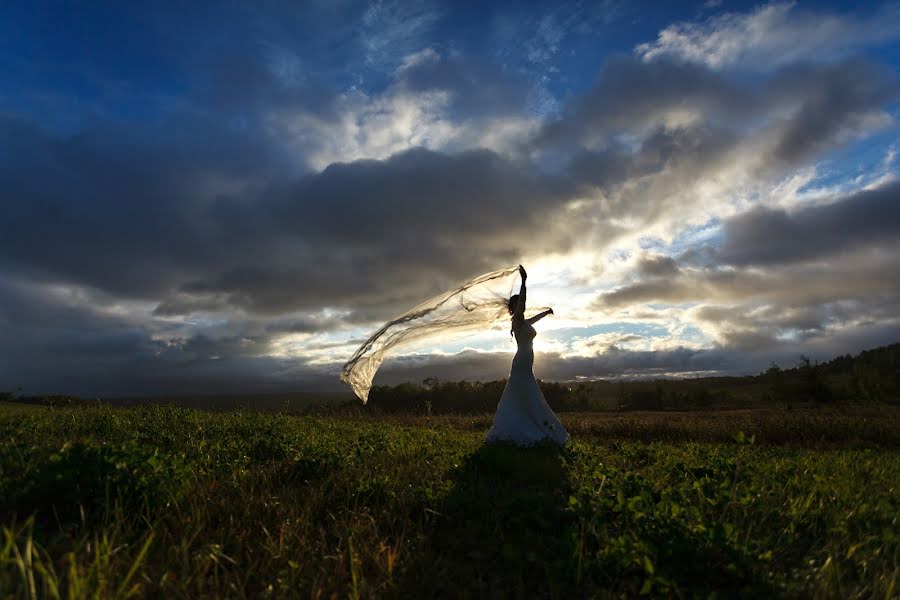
(8, 407)
(166, 502)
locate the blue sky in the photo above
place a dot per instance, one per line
(229, 196)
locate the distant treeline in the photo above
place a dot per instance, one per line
(48, 400)
(871, 377)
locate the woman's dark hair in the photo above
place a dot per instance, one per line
(513, 303)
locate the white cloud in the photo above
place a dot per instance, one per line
(378, 125)
(771, 36)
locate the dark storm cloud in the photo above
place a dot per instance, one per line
(756, 328)
(366, 230)
(474, 194)
(118, 207)
(854, 276)
(829, 99)
(766, 236)
(369, 231)
(805, 107)
(858, 324)
(52, 344)
(684, 151)
(657, 265)
(186, 304)
(631, 94)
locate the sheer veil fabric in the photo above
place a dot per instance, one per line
(474, 306)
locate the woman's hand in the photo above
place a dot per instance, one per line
(522, 272)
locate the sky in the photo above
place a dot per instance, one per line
(229, 197)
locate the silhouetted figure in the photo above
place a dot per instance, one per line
(523, 415)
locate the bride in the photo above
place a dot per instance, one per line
(523, 415)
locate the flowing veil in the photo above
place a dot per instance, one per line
(475, 305)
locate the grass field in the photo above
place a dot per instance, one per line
(10, 407)
(169, 502)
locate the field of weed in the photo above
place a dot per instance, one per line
(168, 502)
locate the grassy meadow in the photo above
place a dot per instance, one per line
(159, 501)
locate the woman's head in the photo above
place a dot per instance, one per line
(513, 303)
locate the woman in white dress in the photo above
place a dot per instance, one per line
(523, 415)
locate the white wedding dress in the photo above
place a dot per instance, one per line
(523, 415)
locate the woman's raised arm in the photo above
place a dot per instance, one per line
(520, 308)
